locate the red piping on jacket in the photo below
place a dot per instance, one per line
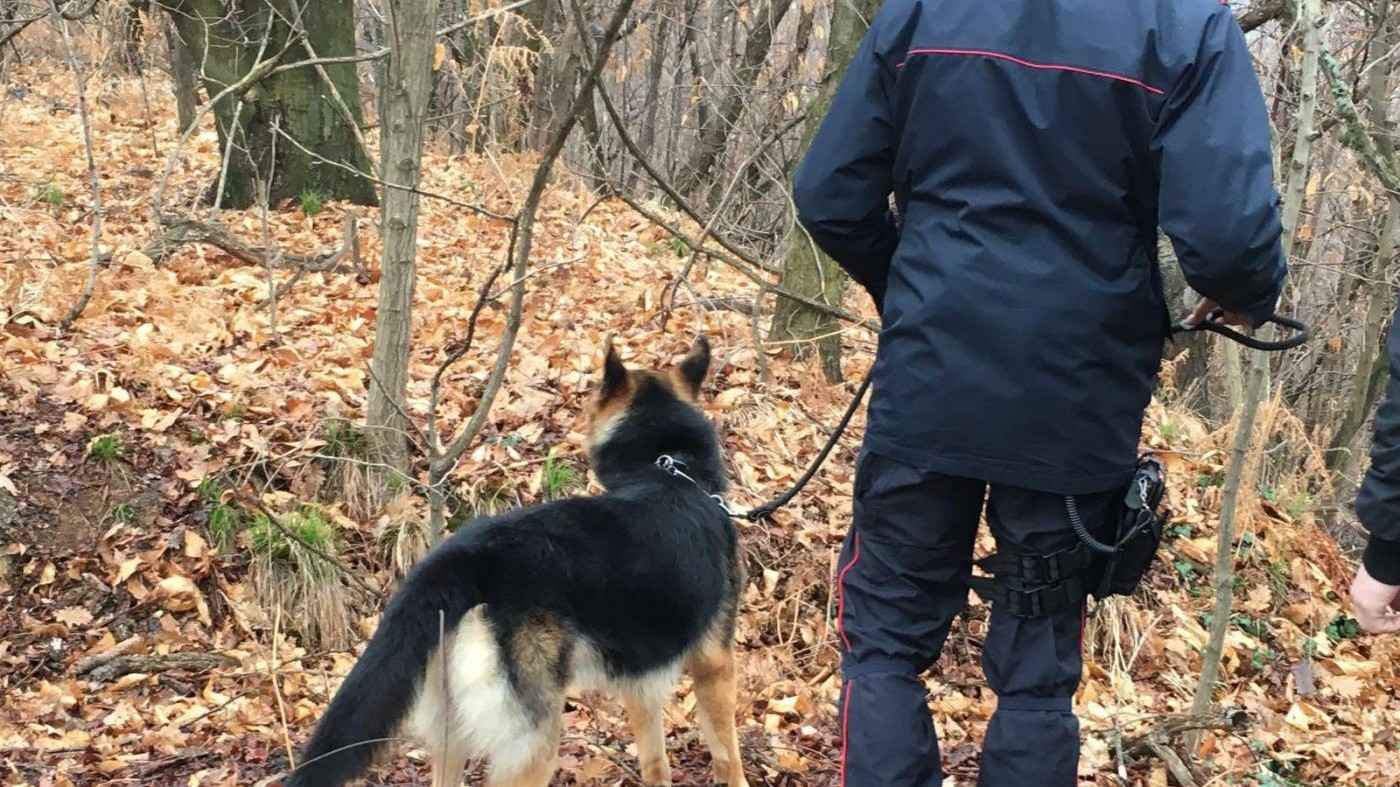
(841, 593)
(1028, 64)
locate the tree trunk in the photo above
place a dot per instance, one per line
(588, 120)
(1195, 367)
(411, 24)
(685, 54)
(646, 136)
(184, 78)
(133, 29)
(714, 134)
(1235, 480)
(451, 103)
(1371, 363)
(373, 37)
(544, 98)
(467, 44)
(806, 270)
(1232, 369)
(554, 87)
(286, 128)
(1236, 477)
(9, 11)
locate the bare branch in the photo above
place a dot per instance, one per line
(75, 14)
(755, 276)
(1261, 13)
(477, 209)
(661, 182)
(256, 73)
(383, 52)
(481, 17)
(95, 256)
(19, 26)
(524, 232)
(463, 347)
(709, 228)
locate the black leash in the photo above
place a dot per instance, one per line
(1302, 332)
(766, 510)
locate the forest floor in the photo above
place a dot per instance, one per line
(125, 442)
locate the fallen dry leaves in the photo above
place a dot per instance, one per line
(180, 361)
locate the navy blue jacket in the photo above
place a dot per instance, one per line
(1378, 502)
(1033, 149)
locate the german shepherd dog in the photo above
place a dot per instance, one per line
(617, 592)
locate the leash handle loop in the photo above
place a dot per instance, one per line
(1302, 332)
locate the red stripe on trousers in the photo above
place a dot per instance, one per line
(841, 592)
(845, 729)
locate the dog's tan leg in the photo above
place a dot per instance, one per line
(448, 765)
(543, 761)
(715, 693)
(644, 714)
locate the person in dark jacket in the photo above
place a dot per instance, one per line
(1375, 593)
(1032, 149)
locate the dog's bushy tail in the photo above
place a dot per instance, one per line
(379, 692)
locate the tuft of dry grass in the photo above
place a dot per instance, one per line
(293, 580)
(402, 532)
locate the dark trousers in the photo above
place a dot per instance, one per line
(900, 583)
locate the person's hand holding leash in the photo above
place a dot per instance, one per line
(1206, 307)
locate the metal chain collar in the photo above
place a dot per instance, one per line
(672, 466)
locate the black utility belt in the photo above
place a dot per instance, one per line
(1038, 585)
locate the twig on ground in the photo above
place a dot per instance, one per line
(1174, 763)
(151, 769)
(210, 712)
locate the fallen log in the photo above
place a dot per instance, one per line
(96, 660)
(179, 231)
(152, 663)
(1157, 741)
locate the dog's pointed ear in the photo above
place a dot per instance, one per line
(695, 365)
(616, 378)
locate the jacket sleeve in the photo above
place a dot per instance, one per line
(1378, 501)
(842, 188)
(1217, 200)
